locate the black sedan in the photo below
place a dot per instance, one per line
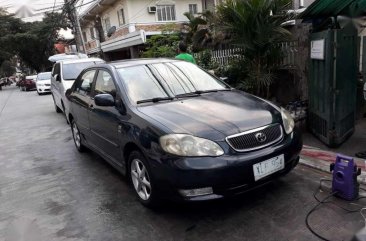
(178, 132)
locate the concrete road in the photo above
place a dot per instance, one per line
(49, 191)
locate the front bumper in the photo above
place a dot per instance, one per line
(44, 89)
(228, 175)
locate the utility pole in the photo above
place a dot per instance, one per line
(72, 15)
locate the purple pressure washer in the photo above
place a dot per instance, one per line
(345, 174)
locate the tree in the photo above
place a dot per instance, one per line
(33, 42)
(37, 44)
(7, 69)
(255, 27)
(162, 45)
(200, 33)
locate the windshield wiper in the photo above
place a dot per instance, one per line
(208, 91)
(189, 94)
(154, 100)
(199, 92)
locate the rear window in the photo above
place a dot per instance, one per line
(72, 70)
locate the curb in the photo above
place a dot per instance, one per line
(321, 160)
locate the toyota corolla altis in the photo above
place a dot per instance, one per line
(178, 132)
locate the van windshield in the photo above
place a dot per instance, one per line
(72, 70)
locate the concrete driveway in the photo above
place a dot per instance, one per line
(49, 191)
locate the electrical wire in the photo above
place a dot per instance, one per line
(324, 201)
(311, 211)
(333, 203)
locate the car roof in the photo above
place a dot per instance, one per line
(135, 62)
(71, 61)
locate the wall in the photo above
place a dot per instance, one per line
(138, 9)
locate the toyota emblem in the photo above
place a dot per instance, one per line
(261, 137)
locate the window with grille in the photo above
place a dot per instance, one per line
(107, 24)
(192, 8)
(92, 34)
(165, 12)
(121, 17)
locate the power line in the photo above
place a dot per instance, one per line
(85, 3)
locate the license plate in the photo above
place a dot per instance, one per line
(268, 167)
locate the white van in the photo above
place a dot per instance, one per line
(64, 73)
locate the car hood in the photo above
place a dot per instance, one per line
(46, 81)
(213, 115)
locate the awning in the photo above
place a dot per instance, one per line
(128, 40)
(321, 9)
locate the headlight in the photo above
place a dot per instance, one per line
(187, 145)
(288, 121)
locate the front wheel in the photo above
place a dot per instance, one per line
(141, 180)
(77, 137)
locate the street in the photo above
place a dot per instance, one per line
(49, 191)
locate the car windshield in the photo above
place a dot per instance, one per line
(162, 80)
(44, 76)
(72, 70)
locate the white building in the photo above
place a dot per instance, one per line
(127, 24)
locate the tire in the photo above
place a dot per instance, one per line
(58, 110)
(77, 137)
(142, 181)
(38, 93)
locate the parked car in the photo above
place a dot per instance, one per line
(179, 132)
(63, 75)
(43, 83)
(28, 83)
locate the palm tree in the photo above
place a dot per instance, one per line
(200, 32)
(255, 26)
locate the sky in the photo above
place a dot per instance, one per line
(33, 10)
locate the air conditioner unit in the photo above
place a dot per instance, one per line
(151, 9)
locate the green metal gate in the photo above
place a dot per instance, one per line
(333, 84)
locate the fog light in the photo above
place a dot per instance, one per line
(196, 192)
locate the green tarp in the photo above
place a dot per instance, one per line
(332, 8)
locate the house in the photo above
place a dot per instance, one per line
(119, 28)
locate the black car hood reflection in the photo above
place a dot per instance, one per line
(213, 115)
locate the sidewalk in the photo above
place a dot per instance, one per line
(321, 159)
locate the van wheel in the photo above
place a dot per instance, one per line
(142, 181)
(58, 110)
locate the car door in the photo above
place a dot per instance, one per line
(81, 101)
(104, 120)
(55, 85)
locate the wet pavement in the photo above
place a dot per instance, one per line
(49, 191)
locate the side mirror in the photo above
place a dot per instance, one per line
(104, 100)
(68, 93)
(57, 77)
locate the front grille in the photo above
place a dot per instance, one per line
(47, 84)
(254, 139)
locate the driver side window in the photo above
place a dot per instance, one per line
(104, 84)
(86, 82)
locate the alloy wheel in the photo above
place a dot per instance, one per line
(76, 135)
(140, 179)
